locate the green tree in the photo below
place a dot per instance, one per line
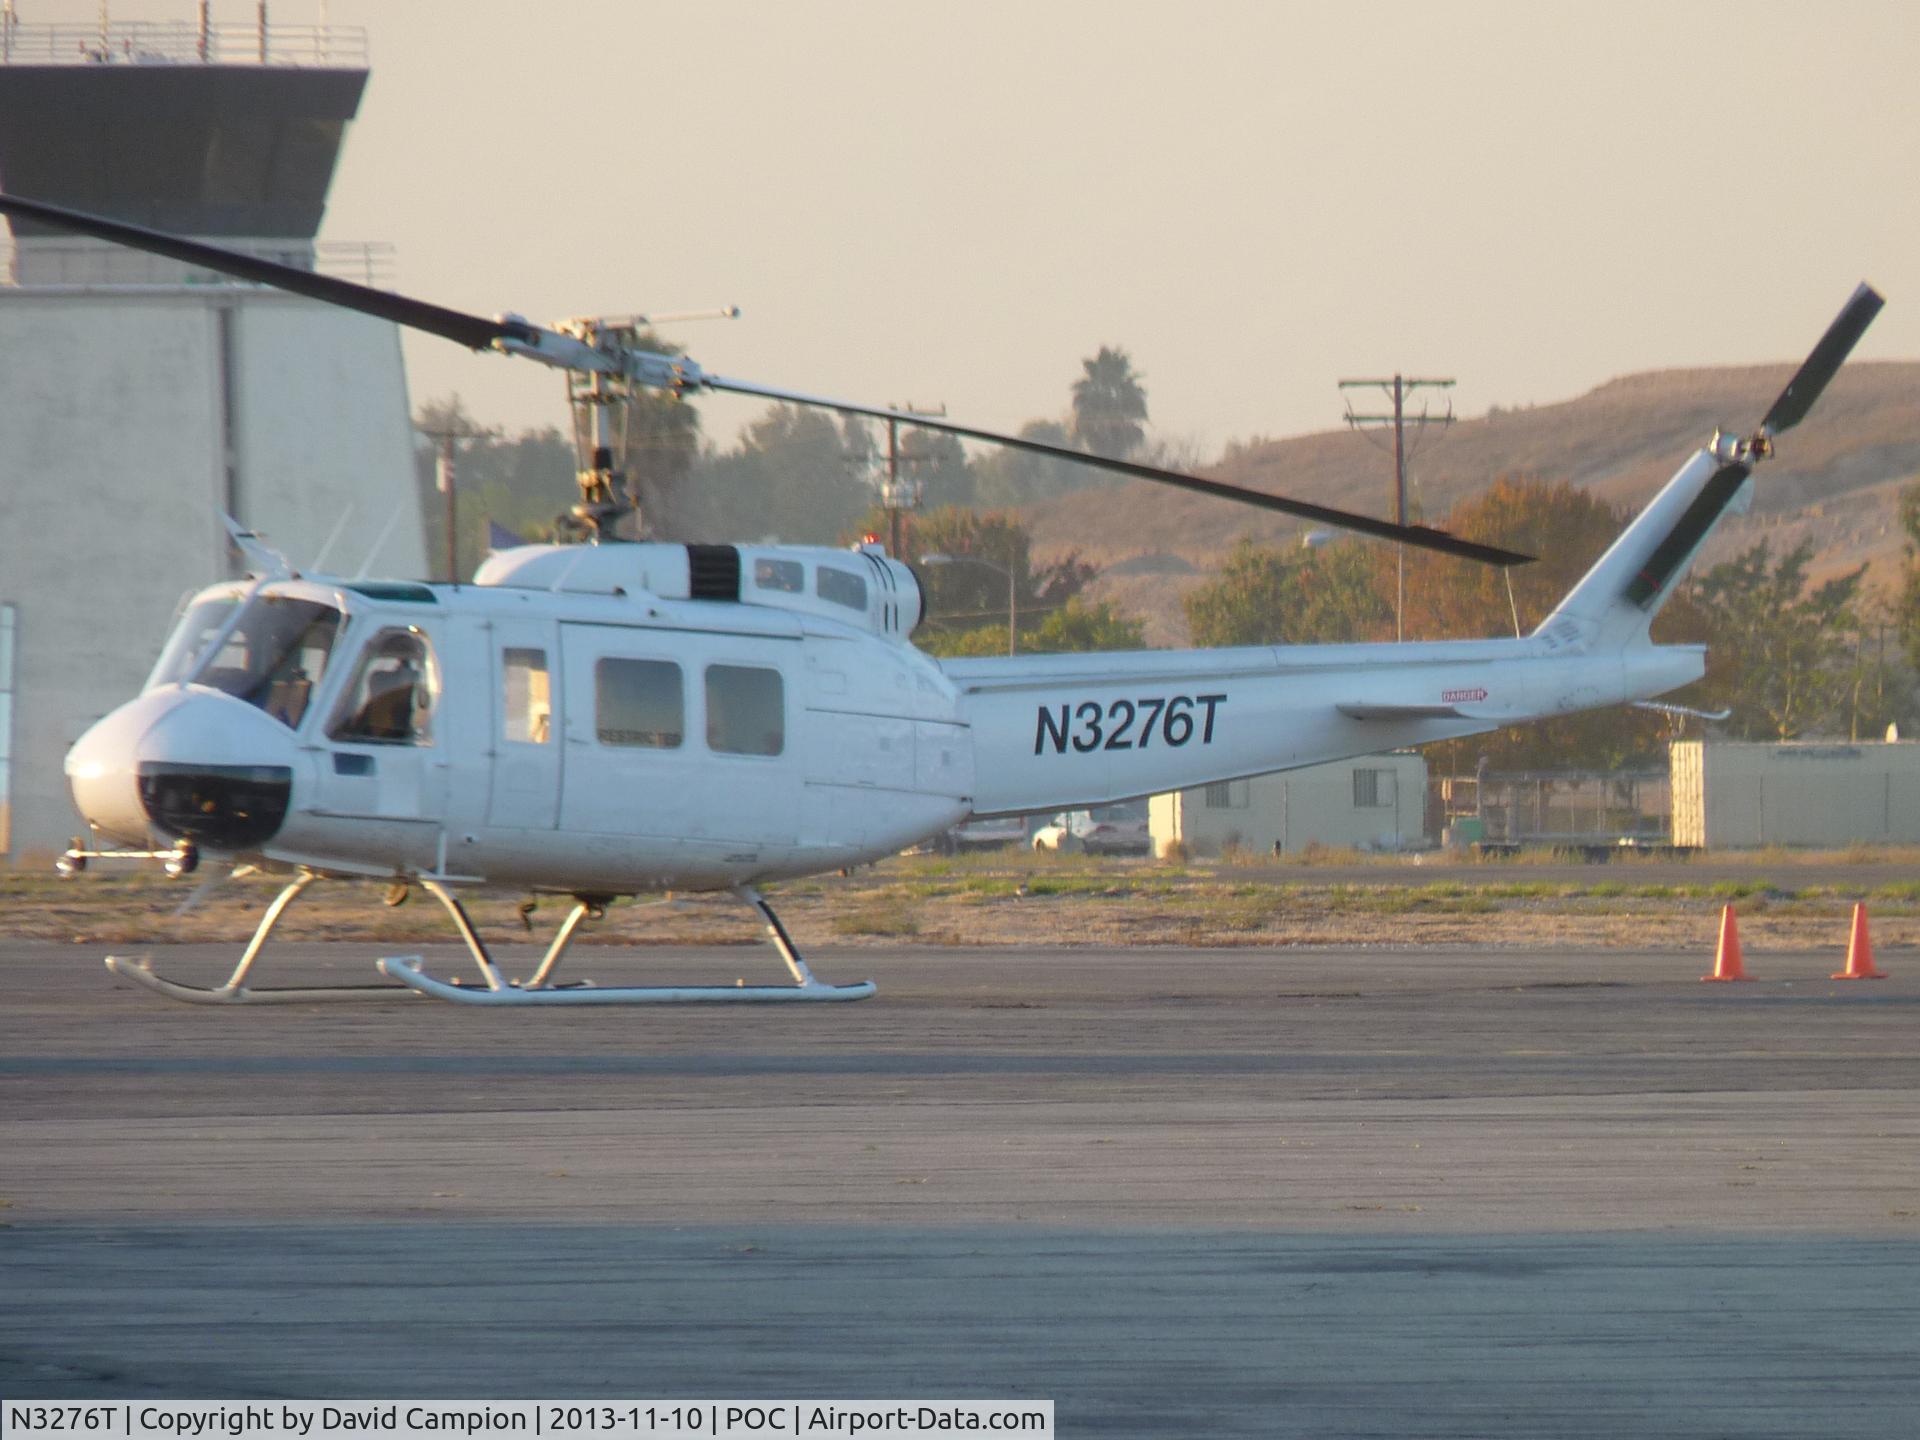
(1005, 477)
(962, 596)
(1880, 682)
(1109, 405)
(521, 482)
(1078, 625)
(1780, 652)
(1081, 624)
(1906, 605)
(1107, 417)
(1565, 527)
(790, 478)
(1270, 596)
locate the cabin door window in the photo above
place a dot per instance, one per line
(526, 750)
(754, 794)
(626, 716)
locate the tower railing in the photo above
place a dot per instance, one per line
(69, 262)
(182, 42)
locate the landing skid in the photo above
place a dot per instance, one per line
(493, 989)
(141, 972)
(539, 989)
(406, 969)
(236, 991)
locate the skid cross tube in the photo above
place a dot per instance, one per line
(582, 909)
(476, 947)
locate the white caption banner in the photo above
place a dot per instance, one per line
(542, 1419)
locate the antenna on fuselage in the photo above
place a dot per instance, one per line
(339, 527)
(381, 544)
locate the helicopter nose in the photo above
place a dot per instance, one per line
(101, 766)
(192, 764)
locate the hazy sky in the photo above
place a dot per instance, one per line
(957, 202)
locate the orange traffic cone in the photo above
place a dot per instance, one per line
(1726, 960)
(1860, 951)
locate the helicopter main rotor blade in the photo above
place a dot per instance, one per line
(514, 336)
(1824, 362)
(1422, 536)
(472, 331)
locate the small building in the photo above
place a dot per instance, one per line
(1818, 793)
(1375, 802)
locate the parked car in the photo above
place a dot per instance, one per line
(991, 834)
(1109, 830)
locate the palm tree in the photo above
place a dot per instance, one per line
(1109, 405)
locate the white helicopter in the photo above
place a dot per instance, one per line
(610, 719)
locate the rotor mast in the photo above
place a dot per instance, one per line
(602, 402)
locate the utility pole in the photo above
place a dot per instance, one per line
(893, 494)
(1398, 388)
(443, 478)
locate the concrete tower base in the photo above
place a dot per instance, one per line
(133, 417)
(139, 397)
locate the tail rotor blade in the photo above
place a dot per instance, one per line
(1825, 361)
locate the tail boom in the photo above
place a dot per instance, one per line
(1053, 732)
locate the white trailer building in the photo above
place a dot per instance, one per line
(1375, 802)
(1815, 793)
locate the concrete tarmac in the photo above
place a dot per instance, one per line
(1178, 1192)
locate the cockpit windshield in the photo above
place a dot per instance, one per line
(272, 658)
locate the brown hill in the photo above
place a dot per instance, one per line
(1836, 477)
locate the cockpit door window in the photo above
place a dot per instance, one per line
(391, 698)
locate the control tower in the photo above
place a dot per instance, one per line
(139, 397)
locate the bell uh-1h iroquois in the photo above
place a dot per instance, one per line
(611, 719)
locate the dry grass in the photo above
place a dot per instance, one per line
(1017, 898)
(891, 916)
